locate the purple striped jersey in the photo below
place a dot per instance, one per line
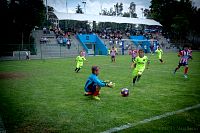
(184, 54)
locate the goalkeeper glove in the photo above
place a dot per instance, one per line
(106, 81)
(111, 85)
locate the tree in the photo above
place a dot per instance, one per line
(120, 7)
(175, 16)
(52, 17)
(132, 8)
(147, 13)
(105, 12)
(112, 13)
(21, 17)
(180, 26)
(79, 9)
(4, 19)
(195, 22)
(116, 7)
(50, 9)
(108, 12)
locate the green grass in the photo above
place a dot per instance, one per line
(48, 96)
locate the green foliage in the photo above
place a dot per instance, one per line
(19, 17)
(4, 19)
(47, 95)
(177, 17)
(132, 8)
(118, 11)
(79, 9)
(34, 16)
(147, 13)
(195, 22)
(180, 26)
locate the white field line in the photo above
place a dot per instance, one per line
(129, 125)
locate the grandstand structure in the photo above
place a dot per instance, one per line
(92, 43)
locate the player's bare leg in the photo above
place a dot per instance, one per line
(186, 71)
(96, 93)
(176, 68)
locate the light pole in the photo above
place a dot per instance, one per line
(46, 10)
(101, 8)
(66, 6)
(46, 13)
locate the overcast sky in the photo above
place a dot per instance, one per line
(94, 6)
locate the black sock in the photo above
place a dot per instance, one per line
(139, 76)
(161, 60)
(176, 68)
(78, 69)
(134, 79)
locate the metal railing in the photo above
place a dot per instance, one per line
(38, 51)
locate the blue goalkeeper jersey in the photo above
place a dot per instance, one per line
(92, 81)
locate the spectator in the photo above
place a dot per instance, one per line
(27, 56)
(145, 48)
(168, 40)
(45, 40)
(111, 42)
(152, 48)
(44, 30)
(68, 44)
(83, 53)
(64, 41)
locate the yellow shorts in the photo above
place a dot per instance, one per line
(137, 72)
(79, 65)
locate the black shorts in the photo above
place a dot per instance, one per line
(112, 57)
(183, 64)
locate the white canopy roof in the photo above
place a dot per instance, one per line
(101, 18)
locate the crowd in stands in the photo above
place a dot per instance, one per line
(63, 38)
(44, 40)
(114, 36)
(110, 34)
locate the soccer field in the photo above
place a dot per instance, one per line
(47, 96)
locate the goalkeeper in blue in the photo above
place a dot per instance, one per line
(94, 84)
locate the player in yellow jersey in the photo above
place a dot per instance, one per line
(159, 52)
(79, 62)
(139, 65)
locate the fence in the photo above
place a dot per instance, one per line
(39, 51)
(47, 50)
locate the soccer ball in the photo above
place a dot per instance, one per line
(124, 92)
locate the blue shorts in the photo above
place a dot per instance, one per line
(91, 88)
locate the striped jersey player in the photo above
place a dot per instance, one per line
(184, 57)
